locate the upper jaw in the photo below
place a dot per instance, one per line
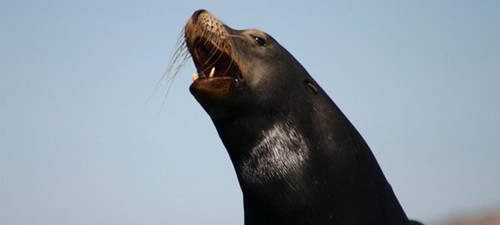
(211, 49)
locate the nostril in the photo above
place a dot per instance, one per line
(196, 14)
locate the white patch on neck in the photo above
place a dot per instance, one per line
(282, 151)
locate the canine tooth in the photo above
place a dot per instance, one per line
(212, 72)
(195, 76)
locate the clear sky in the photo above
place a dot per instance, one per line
(81, 143)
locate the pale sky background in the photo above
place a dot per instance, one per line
(81, 143)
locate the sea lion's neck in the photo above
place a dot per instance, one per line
(271, 164)
(280, 152)
(288, 177)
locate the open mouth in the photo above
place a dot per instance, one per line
(212, 62)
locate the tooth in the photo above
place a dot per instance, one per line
(212, 72)
(195, 76)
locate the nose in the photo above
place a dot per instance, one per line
(196, 14)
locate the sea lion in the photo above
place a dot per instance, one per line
(298, 159)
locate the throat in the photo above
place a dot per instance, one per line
(281, 153)
(273, 175)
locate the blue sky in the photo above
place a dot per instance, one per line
(81, 142)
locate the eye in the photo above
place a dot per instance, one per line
(260, 41)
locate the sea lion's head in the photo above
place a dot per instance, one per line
(239, 70)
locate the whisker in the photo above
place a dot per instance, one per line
(208, 37)
(214, 62)
(229, 66)
(211, 54)
(236, 36)
(179, 59)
